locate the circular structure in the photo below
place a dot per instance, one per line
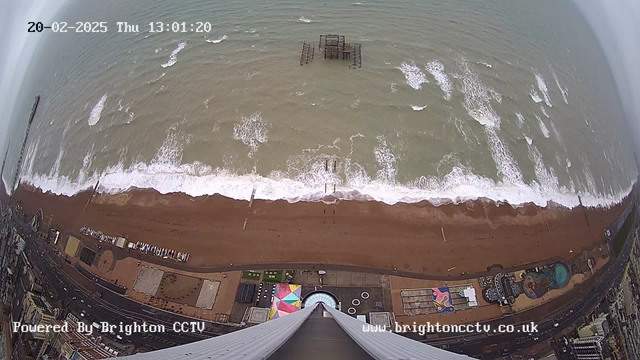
(562, 275)
(364, 295)
(320, 297)
(105, 261)
(355, 302)
(351, 311)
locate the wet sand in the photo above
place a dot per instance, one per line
(408, 237)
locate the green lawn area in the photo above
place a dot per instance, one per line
(251, 275)
(621, 237)
(273, 276)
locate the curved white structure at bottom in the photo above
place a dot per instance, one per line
(261, 341)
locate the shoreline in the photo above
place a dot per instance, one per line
(4, 195)
(459, 186)
(414, 238)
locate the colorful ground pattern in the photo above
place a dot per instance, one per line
(442, 300)
(562, 275)
(537, 284)
(286, 300)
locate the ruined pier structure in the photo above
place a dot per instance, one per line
(333, 47)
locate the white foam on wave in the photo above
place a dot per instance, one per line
(306, 175)
(436, 69)
(30, 158)
(386, 160)
(151, 82)
(173, 58)
(413, 75)
(520, 119)
(94, 116)
(304, 19)
(544, 111)
(477, 98)
(5, 182)
(542, 85)
(418, 108)
(252, 131)
(251, 74)
(563, 90)
(547, 178)
(591, 181)
(543, 127)
(206, 102)
(198, 179)
(506, 166)
(534, 95)
(218, 40)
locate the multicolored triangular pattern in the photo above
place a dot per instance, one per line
(286, 300)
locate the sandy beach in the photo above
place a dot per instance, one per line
(4, 197)
(409, 237)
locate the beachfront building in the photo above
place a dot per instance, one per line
(305, 334)
(37, 312)
(598, 326)
(589, 348)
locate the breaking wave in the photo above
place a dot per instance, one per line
(477, 98)
(218, 40)
(563, 90)
(307, 174)
(198, 179)
(544, 111)
(94, 116)
(436, 69)
(543, 89)
(173, 58)
(252, 131)
(543, 127)
(534, 95)
(413, 75)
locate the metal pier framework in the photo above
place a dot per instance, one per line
(333, 47)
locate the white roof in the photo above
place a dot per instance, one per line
(470, 294)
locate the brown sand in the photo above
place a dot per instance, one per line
(408, 237)
(4, 197)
